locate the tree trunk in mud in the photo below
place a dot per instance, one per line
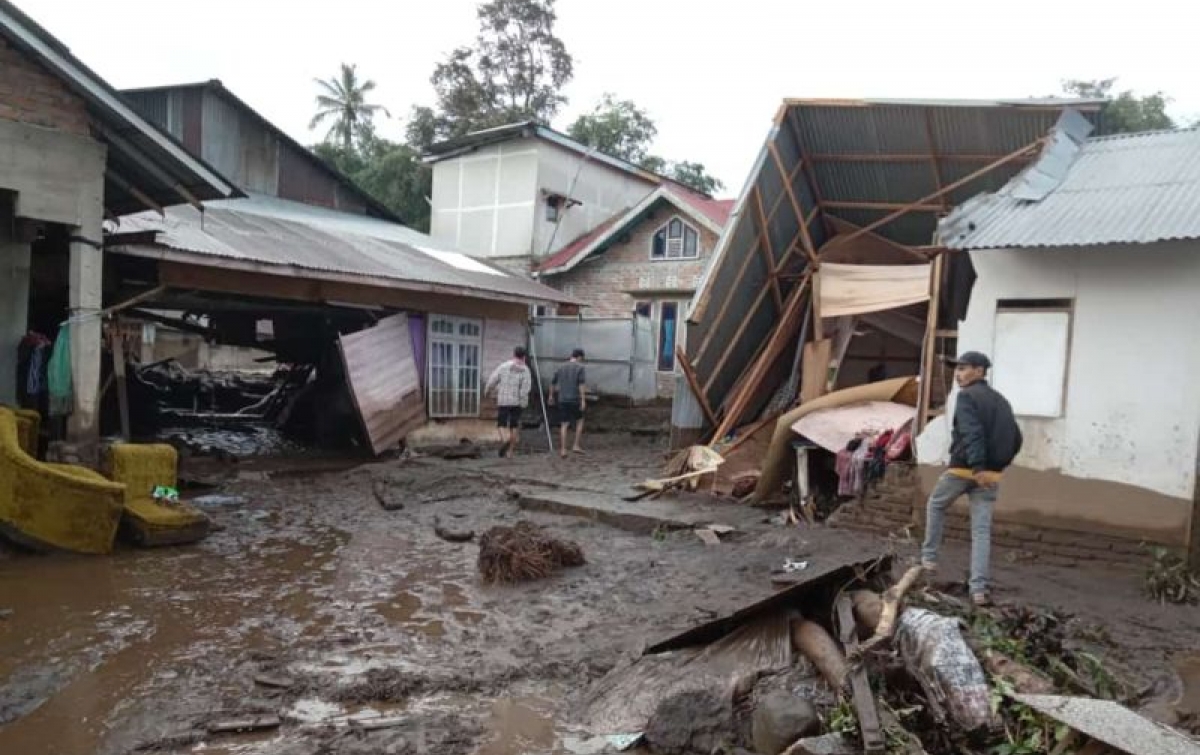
(818, 646)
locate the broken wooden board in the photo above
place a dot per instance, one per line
(708, 536)
(382, 374)
(244, 724)
(860, 686)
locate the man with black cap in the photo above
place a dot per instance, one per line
(984, 441)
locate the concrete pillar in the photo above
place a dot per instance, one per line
(86, 289)
(14, 304)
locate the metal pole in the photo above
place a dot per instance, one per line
(541, 396)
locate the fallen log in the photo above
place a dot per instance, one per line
(890, 610)
(1022, 678)
(810, 639)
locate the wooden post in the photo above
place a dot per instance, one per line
(929, 347)
(690, 374)
(116, 341)
(768, 250)
(809, 249)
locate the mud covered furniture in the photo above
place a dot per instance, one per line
(147, 521)
(54, 506)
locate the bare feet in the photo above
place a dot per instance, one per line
(577, 450)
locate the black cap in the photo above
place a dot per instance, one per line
(973, 359)
(577, 354)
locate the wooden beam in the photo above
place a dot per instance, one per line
(737, 337)
(750, 432)
(914, 158)
(809, 249)
(865, 706)
(734, 288)
(116, 346)
(946, 189)
(934, 158)
(929, 349)
(172, 322)
(690, 374)
(153, 293)
(768, 250)
(783, 333)
(840, 205)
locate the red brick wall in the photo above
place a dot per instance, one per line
(29, 94)
(603, 280)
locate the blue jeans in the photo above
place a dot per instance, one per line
(947, 490)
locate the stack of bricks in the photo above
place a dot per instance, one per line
(886, 508)
(29, 94)
(896, 506)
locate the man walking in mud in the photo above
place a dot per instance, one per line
(511, 382)
(983, 443)
(569, 396)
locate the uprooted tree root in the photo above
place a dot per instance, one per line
(522, 553)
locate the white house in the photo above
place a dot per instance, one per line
(520, 193)
(1088, 301)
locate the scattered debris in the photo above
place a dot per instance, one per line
(780, 718)
(708, 536)
(885, 620)
(378, 724)
(387, 496)
(1169, 580)
(938, 657)
(826, 744)
(274, 681)
(452, 535)
(685, 471)
(865, 707)
(245, 724)
(464, 450)
(692, 721)
(5, 614)
(522, 553)
(1112, 725)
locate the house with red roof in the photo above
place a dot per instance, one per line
(609, 233)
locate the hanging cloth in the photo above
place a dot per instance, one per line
(58, 374)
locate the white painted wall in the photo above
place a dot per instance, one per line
(603, 190)
(1132, 403)
(491, 202)
(484, 202)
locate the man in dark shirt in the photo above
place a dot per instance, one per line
(984, 441)
(568, 394)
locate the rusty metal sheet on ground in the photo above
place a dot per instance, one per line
(383, 379)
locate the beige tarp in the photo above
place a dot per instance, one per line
(855, 289)
(833, 428)
(383, 379)
(779, 459)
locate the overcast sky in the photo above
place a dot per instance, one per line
(711, 76)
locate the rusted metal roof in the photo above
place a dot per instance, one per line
(265, 234)
(1125, 189)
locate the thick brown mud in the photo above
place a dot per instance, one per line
(366, 633)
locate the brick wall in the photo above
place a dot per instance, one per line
(897, 505)
(603, 280)
(29, 94)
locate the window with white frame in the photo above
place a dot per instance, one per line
(1031, 353)
(676, 240)
(455, 349)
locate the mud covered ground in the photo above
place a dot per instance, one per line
(315, 604)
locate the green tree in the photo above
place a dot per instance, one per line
(616, 127)
(391, 173)
(1125, 111)
(343, 104)
(515, 71)
(622, 129)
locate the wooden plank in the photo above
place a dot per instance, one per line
(117, 350)
(767, 249)
(814, 369)
(840, 205)
(865, 706)
(1027, 149)
(934, 158)
(929, 348)
(781, 336)
(153, 293)
(382, 375)
(809, 248)
(689, 373)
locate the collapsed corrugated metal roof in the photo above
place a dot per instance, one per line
(831, 168)
(265, 234)
(1126, 189)
(142, 159)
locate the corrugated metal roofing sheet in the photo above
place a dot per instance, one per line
(292, 236)
(1127, 189)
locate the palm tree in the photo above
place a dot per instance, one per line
(344, 101)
